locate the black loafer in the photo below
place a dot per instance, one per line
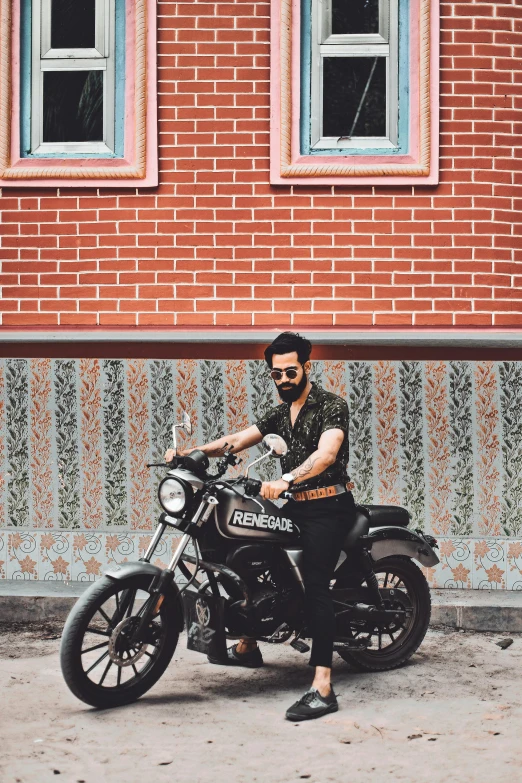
(312, 705)
(252, 659)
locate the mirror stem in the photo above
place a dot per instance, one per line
(174, 438)
(259, 459)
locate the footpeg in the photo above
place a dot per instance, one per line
(300, 646)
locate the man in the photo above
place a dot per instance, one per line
(314, 424)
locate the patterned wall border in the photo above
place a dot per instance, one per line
(287, 164)
(140, 164)
(82, 555)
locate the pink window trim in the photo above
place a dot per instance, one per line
(288, 166)
(139, 167)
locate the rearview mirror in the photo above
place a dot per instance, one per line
(185, 425)
(276, 448)
(276, 444)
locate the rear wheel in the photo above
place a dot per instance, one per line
(394, 645)
(100, 664)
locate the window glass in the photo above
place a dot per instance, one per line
(354, 96)
(73, 24)
(72, 106)
(351, 17)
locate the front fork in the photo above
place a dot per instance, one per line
(161, 582)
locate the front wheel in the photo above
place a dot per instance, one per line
(393, 646)
(100, 664)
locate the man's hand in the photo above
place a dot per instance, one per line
(170, 454)
(270, 490)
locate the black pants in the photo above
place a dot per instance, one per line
(324, 524)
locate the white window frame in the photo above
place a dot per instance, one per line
(99, 58)
(385, 43)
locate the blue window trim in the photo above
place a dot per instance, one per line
(404, 88)
(25, 86)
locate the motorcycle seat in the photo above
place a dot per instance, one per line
(367, 517)
(360, 527)
(380, 516)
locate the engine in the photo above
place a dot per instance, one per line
(276, 599)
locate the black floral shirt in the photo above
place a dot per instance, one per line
(322, 411)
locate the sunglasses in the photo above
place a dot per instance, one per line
(278, 374)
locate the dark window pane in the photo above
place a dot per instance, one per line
(72, 24)
(354, 96)
(355, 16)
(73, 106)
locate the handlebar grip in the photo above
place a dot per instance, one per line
(252, 487)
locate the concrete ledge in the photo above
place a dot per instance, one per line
(473, 610)
(25, 601)
(478, 610)
(407, 337)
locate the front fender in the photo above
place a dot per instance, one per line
(387, 541)
(142, 568)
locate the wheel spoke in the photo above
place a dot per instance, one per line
(386, 579)
(97, 631)
(135, 670)
(105, 616)
(392, 637)
(96, 647)
(105, 672)
(118, 683)
(100, 659)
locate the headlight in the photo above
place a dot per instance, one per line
(173, 494)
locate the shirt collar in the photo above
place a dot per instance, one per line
(313, 396)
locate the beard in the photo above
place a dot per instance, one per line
(292, 394)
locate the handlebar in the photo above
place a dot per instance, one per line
(253, 488)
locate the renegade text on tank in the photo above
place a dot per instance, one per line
(261, 521)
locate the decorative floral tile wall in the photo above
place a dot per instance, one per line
(442, 438)
(483, 564)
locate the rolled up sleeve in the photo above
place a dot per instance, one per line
(335, 416)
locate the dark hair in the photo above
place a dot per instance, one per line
(287, 342)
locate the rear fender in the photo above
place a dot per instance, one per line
(142, 568)
(387, 541)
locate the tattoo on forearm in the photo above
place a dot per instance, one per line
(305, 468)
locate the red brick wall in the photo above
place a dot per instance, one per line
(216, 244)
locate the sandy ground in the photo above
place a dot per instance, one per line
(453, 714)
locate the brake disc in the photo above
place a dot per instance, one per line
(119, 644)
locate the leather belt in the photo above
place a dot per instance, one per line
(323, 492)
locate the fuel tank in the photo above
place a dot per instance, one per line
(239, 517)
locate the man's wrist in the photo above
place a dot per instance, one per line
(289, 478)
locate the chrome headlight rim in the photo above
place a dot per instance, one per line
(188, 493)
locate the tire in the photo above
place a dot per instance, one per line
(81, 623)
(409, 642)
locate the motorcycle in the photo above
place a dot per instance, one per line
(122, 633)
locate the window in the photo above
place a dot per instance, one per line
(354, 91)
(72, 84)
(354, 74)
(78, 96)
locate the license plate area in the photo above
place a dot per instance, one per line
(204, 615)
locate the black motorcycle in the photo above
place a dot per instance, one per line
(245, 579)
